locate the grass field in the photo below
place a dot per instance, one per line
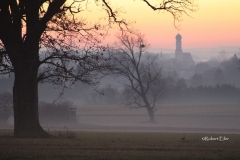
(111, 132)
(121, 145)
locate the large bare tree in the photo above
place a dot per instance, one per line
(144, 84)
(36, 34)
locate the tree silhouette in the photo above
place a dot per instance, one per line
(196, 80)
(36, 39)
(144, 85)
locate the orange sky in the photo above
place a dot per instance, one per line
(215, 23)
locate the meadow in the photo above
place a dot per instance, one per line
(109, 132)
(101, 145)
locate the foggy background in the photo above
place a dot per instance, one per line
(202, 98)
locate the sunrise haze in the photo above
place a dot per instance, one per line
(215, 23)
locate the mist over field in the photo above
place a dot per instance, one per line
(109, 79)
(219, 53)
(205, 98)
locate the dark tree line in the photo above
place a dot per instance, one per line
(177, 93)
(180, 93)
(225, 72)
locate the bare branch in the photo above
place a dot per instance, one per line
(175, 7)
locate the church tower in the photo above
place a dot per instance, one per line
(178, 50)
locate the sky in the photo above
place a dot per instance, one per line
(215, 23)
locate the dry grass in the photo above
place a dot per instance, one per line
(121, 145)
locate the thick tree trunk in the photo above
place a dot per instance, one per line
(151, 114)
(25, 99)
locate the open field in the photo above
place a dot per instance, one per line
(122, 145)
(111, 132)
(211, 118)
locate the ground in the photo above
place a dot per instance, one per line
(214, 118)
(112, 132)
(121, 145)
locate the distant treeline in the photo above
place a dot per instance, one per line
(209, 82)
(178, 93)
(209, 73)
(219, 94)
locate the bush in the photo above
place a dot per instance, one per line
(58, 113)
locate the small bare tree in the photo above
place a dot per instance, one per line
(143, 80)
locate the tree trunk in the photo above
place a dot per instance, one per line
(25, 100)
(151, 114)
(149, 108)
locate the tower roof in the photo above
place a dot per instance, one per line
(178, 36)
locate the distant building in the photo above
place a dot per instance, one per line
(182, 63)
(184, 58)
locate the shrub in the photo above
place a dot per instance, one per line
(58, 113)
